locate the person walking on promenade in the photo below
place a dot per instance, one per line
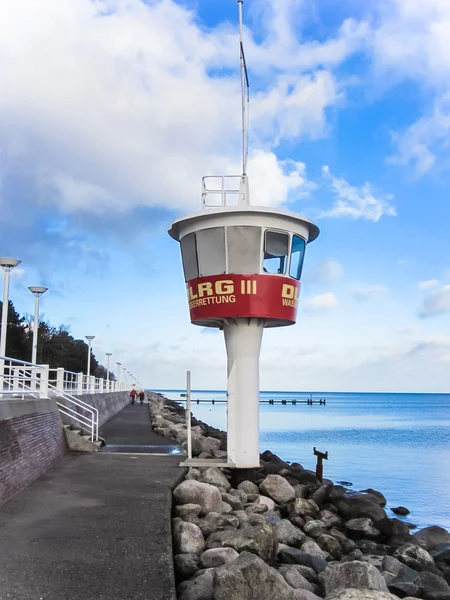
(133, 395)
(142, 396)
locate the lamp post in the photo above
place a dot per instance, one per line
(89, 339)
(108, 354)
(7, 265)
(37, 292)
(118, 374)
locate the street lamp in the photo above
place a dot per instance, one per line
(118, 374)
(7, 265)
(89, 339)
(37, 292)
(108, 354)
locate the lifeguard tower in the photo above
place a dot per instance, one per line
(242, 266)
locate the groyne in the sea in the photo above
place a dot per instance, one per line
(286, 535)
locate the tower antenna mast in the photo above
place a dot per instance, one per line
(244, 94)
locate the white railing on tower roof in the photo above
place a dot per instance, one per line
(220, 191)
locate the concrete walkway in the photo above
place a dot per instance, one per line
(95, 526)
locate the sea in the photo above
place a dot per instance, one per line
(398, 444)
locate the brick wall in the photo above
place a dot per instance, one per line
(31, 441)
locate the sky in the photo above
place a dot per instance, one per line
(111, 112)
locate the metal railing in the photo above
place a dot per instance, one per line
(79, 383)
(222, 190)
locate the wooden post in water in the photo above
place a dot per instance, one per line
(319, 466)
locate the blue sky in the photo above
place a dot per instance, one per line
(112, 111)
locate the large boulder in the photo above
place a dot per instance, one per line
(293, 556)
(405, 583)
(259, 540)
(353, 506)
(362, 527)
(354, 594)
(304, 508)
(216, 557)
(196, 492)
(186, 565)
(430, 537)
(277, 488)
(311, 547)
(377, 496)
(198, 588)
(248, 487)
(250, 578)
(356, 574)
(414, 556)
(441, 552)
(188, 539)
(330, 545)
(210, 445)
(433, 587)
(288, 534)
(214, 476)
(295, 579)
(184, 511)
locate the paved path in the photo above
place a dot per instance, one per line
(94, 527)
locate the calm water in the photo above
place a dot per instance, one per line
(396, 443)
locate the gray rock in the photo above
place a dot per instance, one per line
(233, 501)
(430, 537)
(196, 492)
(221, 522)
(375, 560)
(355, 594)
(330, 545)
(314, 527)
(353, 506)
(216, 557)
(362, 527)
(256, 519)
(356, 574)
(250, 578)
(272, 517)
(405, 583)
(391, 564)
(400, 510)
(187, 510)
(248, 487)
(329, 519)
(226, 508)
(302, 508)
(259, 540)
(214, 476)
(433, 587)
(206, 527)
(371, 547)
(198, 588)
(301, 490)
(310, 547)
(377, 496)
(295, 579)
(297, 521)
(320, 496)
(278, 488)
(268, 502)
(306, 595)
(193, 474)
(188, 539)
(414, 556)
(210, 445)
(186, 565)
(242, 516)
(293, 556)
(441, 552)
(289, 534)
(240, 494)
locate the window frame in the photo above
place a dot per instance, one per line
(300, 266)
(193, 233)
(263, 249)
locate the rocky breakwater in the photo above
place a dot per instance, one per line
(286, 536)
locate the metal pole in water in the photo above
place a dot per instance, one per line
(188, 412)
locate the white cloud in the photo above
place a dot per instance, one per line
(327, 271)
(119, 106)
(369, 292)
(421, 142)
(436, 303)
(356, 202)
(320, 303)
(429, 284)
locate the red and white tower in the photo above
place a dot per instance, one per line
(242, 266)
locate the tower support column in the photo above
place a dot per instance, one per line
(243, 339)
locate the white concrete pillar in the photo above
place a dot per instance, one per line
(79, 383)
(243, 339)
(15, 374)
(43, 381)
(91, 384)
(60, 379)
